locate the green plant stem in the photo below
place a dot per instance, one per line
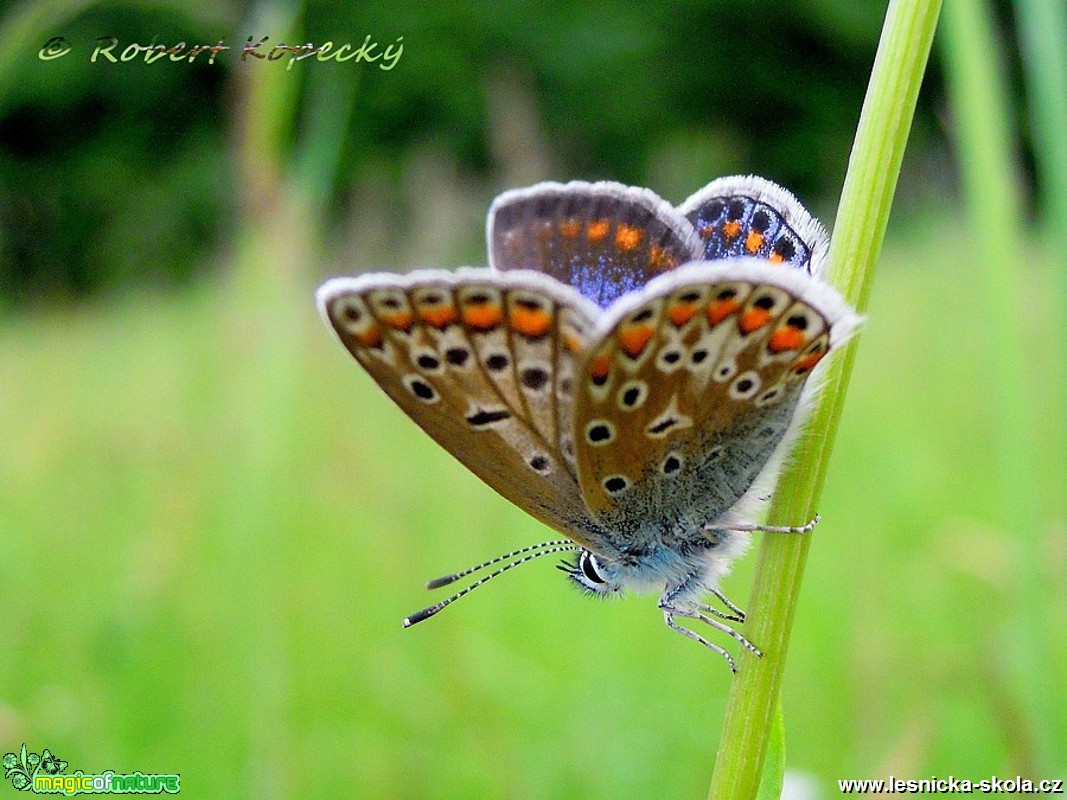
(860, 227)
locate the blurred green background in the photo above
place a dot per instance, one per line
(212, 523)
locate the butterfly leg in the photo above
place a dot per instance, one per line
(671, 606)
(808, 527)
(668, 617)
(737, 616)
(726, 601)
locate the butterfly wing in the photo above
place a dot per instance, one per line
(485, 363)
(604, 239)
(745, 215)
(691, 385)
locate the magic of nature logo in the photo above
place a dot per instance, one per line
(46, 773)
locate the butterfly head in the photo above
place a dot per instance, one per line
(592, 575)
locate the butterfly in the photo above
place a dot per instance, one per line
(629, 373)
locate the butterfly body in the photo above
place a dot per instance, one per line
(607, 376)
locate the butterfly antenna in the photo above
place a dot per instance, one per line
(524, 554)
(444, 580)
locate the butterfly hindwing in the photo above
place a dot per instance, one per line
(690, 386)
(484, 363)
(746, 215)
(604, 239)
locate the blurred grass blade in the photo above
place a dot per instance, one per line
(1042, 26)
(773, 778)
(1043, 45)
(991, 188)
(863, 213)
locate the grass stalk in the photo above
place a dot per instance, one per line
(863, 213)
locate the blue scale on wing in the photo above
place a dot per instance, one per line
(606, 240)
(751, 216)
(742, 226)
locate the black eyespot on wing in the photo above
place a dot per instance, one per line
(482, 417)
(662, 426)
(539, 463)
(766, 302)
(497, 362)
(457, 356)
(785, 249)
(599, 432)
(420, 388)
(534, 378)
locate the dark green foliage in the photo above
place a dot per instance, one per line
(118, 173)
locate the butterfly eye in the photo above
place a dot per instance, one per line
(588, 575)
(587, 563)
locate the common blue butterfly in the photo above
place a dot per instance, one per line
(629, 373)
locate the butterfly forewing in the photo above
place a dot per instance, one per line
(692, 384)
(751, 216)
(604, 239)
(484, 363)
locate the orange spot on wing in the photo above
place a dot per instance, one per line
(659, 259)
(599, 367)
(532, 322)
(775, 258)
(808, 362)
(628, 237)
(482, 317)
(572, 342)
(721, 309)
(569, 228)
(753, 319)
(681, 313)
(438, 316)
(634, 339)
(786, 338)
(371, 337)
(597, 230)
(753, 241)
(400, 320)
(731, 229)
